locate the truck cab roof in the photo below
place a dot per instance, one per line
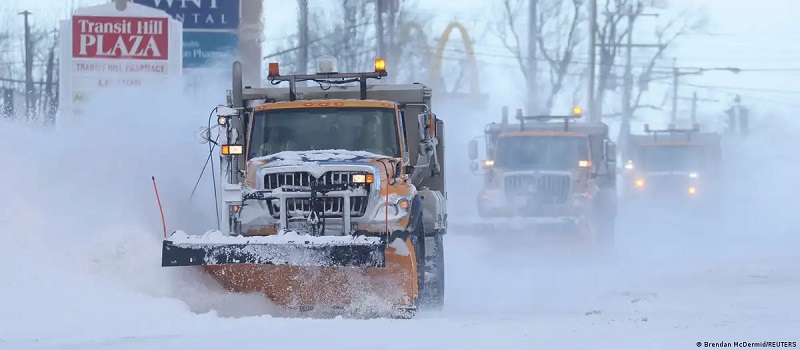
(554, 128)
(323, 103)
(400, 94)
(543, 133)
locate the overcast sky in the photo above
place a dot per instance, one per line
(758, 35)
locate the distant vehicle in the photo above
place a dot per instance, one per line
(556, 174)
(673, 164)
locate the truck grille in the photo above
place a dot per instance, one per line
(667, 183)
(549, 189)
(331, 207)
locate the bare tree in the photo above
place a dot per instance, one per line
(507, 32)
(614, 30)
(686, 22)
(559, 37)
(352, 40)
(559, 23)
(12, 66)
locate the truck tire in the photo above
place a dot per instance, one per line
(418, 241)
(433, 291)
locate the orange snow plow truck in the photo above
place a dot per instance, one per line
(334, 195)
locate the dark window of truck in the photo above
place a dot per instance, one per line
(541, 152)
(671, 158)
(370, 129)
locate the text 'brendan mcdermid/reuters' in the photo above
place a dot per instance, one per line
(746, 344)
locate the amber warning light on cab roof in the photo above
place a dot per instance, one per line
(326, 65)
(273, 69)
(380, 65)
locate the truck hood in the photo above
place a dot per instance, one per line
(321, 157)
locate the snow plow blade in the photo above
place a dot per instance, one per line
(337, 254)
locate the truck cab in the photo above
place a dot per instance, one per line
(550, 170)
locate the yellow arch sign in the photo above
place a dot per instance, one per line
(435, 60)
(436, 71)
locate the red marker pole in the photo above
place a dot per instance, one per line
(160, 208)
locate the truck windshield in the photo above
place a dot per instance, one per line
(368, 129)
(670, 158)
(541, 152)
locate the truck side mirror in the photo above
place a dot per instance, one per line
(473, 149)
(611, 151)
(423, 120)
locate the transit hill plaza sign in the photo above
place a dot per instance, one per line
(144, 38)
(106, 47)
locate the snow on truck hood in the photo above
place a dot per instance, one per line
(326, 156)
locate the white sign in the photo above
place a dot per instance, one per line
(104, 47)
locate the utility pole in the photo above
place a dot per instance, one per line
(592, 59)
(393, 44)
(51, 102)
(694, 108)
(28, 67)
(302, 31)
(675, 74)
(379, 9)
(250, 42)
(533, 36)
(695, 100)
(627, 91)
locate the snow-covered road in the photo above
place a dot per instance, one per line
(81, 255)
(662, 289)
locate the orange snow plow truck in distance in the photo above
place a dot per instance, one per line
(334, 195)
(552, 174)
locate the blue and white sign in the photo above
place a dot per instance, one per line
(200, 14)
(205, 48)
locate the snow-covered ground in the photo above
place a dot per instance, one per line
(80, 267)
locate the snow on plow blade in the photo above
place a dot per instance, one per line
(339, 251)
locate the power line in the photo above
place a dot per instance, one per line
(772, 91)
(656, 69)
(327, 36)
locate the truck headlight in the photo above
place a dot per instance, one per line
(363, 178)
(629, 165)
(403, 204)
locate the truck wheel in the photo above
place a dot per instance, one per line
(433, 292)
(418, 241)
